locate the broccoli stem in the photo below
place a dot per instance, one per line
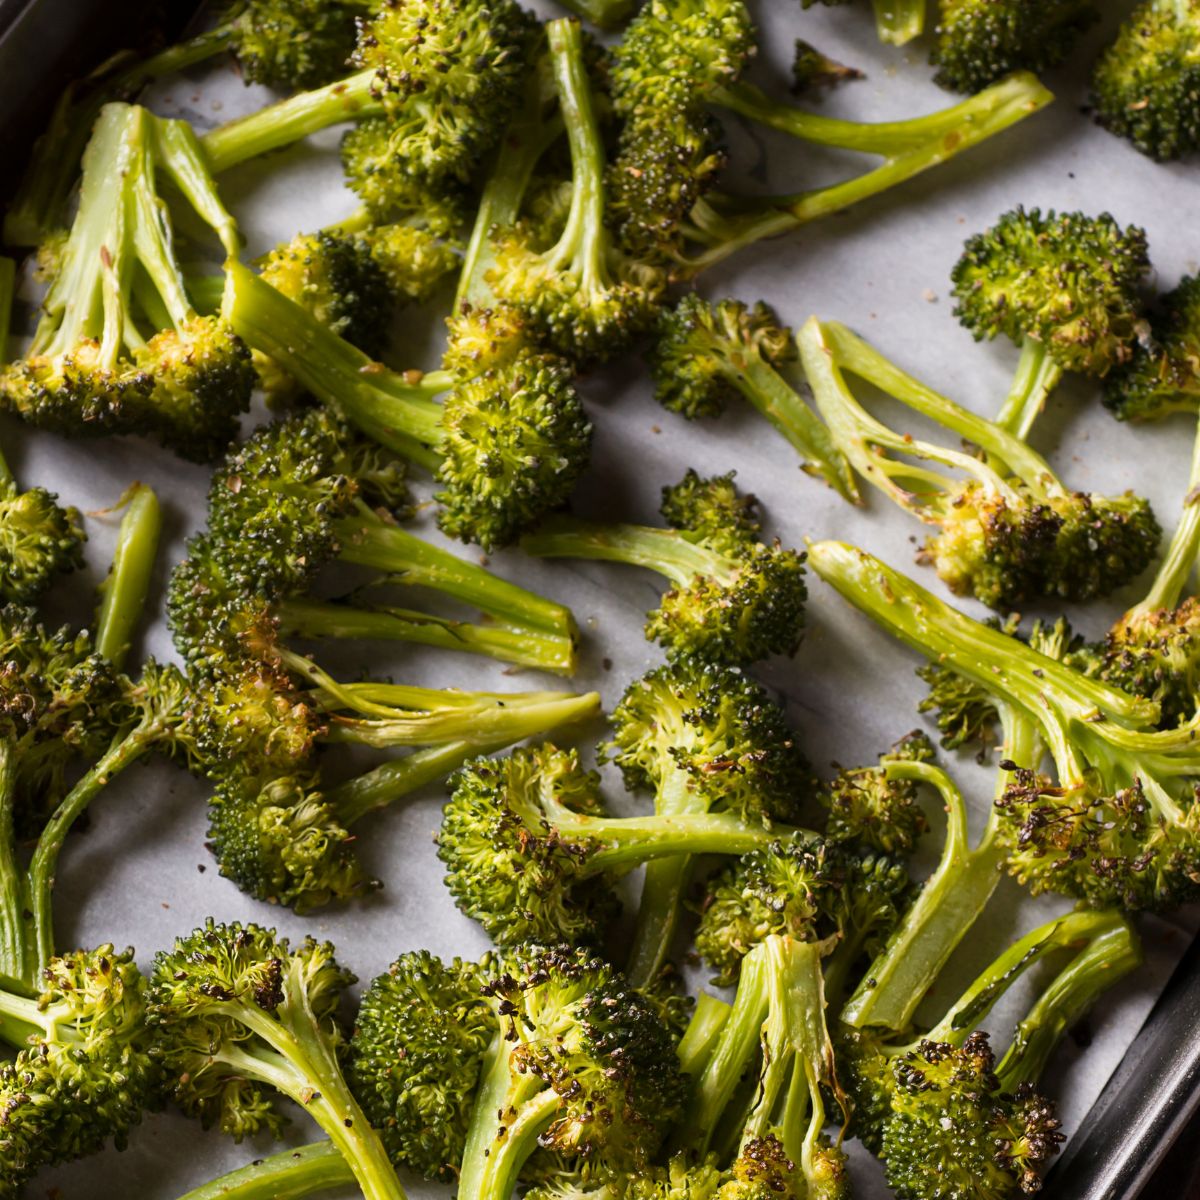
(287, 121)
(288, 1175)
(702, 1034)
(899, 21)
(367, 540)
(14, 930)
(907, 147)
(504, 1163)
(302, 1064)
(950, 902)
(665, 551)
(397, 412)
(313, 619)
(607, 14)
(125, 589)
(1112, 952)
(1037, 376)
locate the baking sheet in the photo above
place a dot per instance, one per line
(140, 874)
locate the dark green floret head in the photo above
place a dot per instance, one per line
(1163, 376)
(1146, 85)
(39, 540)
(700, 350)
(716, 733)
(713, 509)
(480, 339)
(414, 260)
(979, 42)
(1156, 655)
(419, 1040)
(516, 439)
(1065, 279)
(508, 866)
(294, 44)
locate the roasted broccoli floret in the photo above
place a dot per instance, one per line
(706, 356)
(83, 1072)
(1117, 822)
(507, 444)
(580, 1066)
(1163, 374)
(777, 1033)
(939, 1110)
(239, 1015)
(733, 599)
(1146, 85)
(1009, 530)
(582, 294)
(981, 41)
(1064, 287)
(120, 347)
(530, 851)
(422, 1031)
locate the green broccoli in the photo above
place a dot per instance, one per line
(812, 70)
(706, 356)
(120, 347)
(1117, 824)
(238, 1015)
(733, 599)
(1008, 530)
(1064, 287)
(317, 1167)
(1146, 84)
(608, 14)
(979, 42)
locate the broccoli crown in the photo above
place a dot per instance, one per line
(680, 47)
(219, 991)
(413, 260)
(712, 509)
(1163, 376)
(953, 1132)
(577, 1026)
(88, 1076)
(419, 1040)
(717, 734)
(279, 841)
(39, 540)
(516, 439)
(700, 349)
(867, 807)
(508, 866)
(483, 339)
(981, 41)
(294, 43)
(1146, 85)
(1067, 280)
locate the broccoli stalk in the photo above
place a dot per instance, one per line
(119, 347)
(507, 445)
(607, 14)
(776, 1030)
(726, 224)
(1008, 529)
(733, 600)
(707, 355)
(288, 1175)
(1119, 825)
(124, 590)
(239, 1014)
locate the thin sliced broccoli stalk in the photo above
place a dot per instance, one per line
(952, 898)
(899, 21)
(1037, 375)
(287, 121)
(288, 1175)
(703, 1033)
(398, 411)
(728, 224)
(124, 592)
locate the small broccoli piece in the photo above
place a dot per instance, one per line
(1064, 287)
(580, 1067)
(776, 1031)
(529, 850)
(507, 445)
(296, 1172)
(422, 1031)
(237, 1015)
(733, 599)
(1009, 530)
(813, 71)
(981, 41)
(1117, 824)
(582, 295)
(1163, 374)
(414, 260)
(120, 348)
(1146, 84)
(707, 356)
